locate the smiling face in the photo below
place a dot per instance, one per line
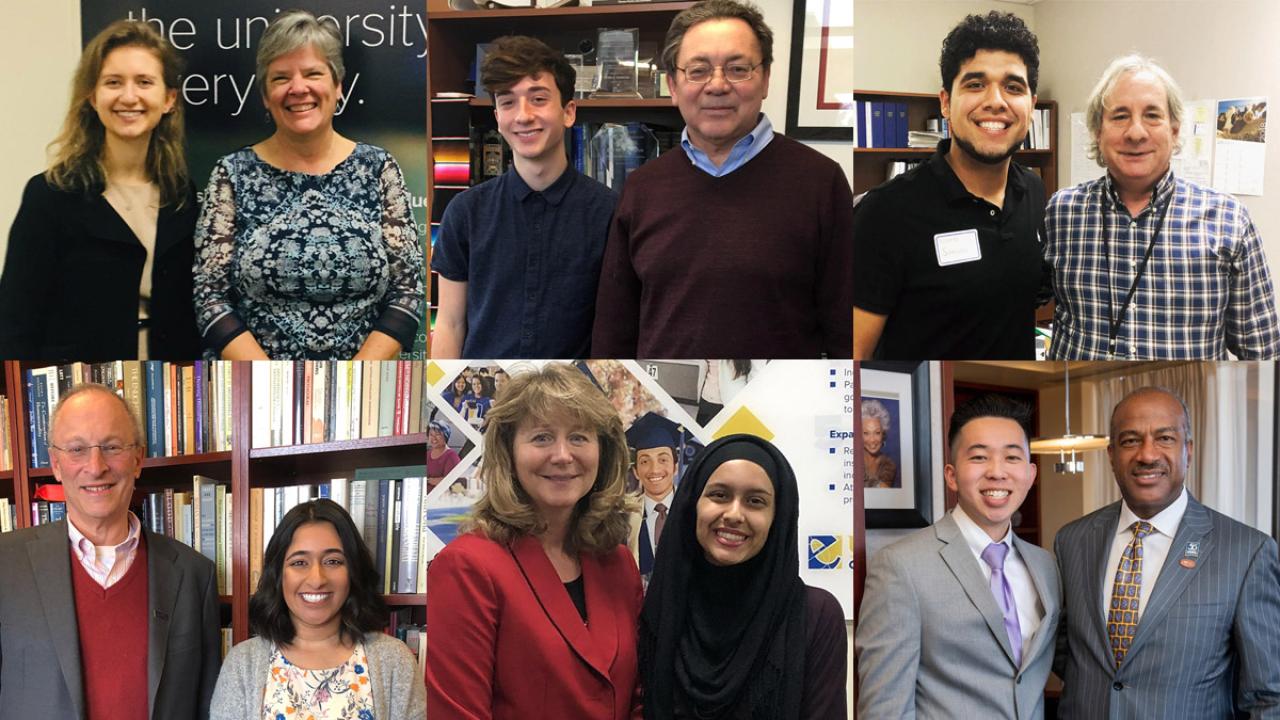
(656, 469)
(315, 580)
(556, 462)
(989, 106)
(872, 435)
(1137, 135)
(460, 385)
(301, 92)
(98, 488)
(130, 97)
(1149, 451)
(718, 113)
(435, 439)
(990, 472)
(735, 512)
(532, 119)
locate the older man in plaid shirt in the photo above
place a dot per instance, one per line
(1146, 265)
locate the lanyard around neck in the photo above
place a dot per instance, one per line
(1116, 320)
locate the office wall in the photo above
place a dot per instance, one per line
(40, 49)
(1214, 49)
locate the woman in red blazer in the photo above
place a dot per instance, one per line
(532, 612)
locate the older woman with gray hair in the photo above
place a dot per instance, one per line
(306, 245)
(881, 470)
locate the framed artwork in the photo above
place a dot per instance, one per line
(895, 444)
(820, 86)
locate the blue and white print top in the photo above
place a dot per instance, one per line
(341, 693)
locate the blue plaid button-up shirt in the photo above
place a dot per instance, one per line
(1207, 288)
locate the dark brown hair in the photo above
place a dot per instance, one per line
(515, 57)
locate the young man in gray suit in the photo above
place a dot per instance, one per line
(1172, 610)
(99, 617)
(959, 619)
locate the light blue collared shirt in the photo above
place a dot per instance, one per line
(748, 147)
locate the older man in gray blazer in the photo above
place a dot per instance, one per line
(1172, 610)
(958, 619)
(99, 617)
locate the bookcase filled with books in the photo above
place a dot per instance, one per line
(466, 148)
(897, 130)
(231, 446)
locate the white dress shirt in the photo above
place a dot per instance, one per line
(1155, 548)
(106, 564)
(651, 515)
(1030, 609)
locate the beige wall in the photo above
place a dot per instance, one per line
(40, 51)
(1061, 494)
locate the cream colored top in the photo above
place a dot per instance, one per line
(139, 207)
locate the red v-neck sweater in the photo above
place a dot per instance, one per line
(113, 641)
(755, 264)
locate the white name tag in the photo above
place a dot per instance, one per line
(957, 247)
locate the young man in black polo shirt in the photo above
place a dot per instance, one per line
(518, 257)
(947, 255)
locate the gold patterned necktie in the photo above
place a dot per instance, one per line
(1122, 614)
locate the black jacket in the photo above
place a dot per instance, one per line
(70, 284)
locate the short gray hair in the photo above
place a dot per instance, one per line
(83, 388)
(1118, 68)
(717, 10)
(875, 410)
(293, 29)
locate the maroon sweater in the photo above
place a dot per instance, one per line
(113, 641)
(755, 264)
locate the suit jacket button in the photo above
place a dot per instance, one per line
(1018, 680)
(1117, 686)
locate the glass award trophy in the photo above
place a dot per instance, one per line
(617, 61)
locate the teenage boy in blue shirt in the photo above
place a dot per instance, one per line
(518, 257)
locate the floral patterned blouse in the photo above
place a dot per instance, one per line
(309, 264)
(340, 693)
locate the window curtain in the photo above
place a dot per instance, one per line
(1232, 426)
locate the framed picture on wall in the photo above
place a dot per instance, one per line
(895, 445)
(820, 87)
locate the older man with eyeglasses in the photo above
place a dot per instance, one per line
(740, 244)
(101, 618)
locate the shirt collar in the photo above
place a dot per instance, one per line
(1164, 189)
(1165, 522)
(651, 504)
(954, 190)
(554, 194)
(84, 546)
(760, 134)
(976, 537)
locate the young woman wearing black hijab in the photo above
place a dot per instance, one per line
(728, 630)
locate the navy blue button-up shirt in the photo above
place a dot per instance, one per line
(531, 261)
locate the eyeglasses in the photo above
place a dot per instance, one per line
(80, 453)
(701, 73)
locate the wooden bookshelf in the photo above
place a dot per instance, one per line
(241, 468)
(871, 165)
(452, 36)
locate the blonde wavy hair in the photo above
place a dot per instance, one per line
(601, 521)
(77, 151)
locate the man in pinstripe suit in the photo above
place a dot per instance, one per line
(1171, 610)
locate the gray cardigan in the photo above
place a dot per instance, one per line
(399, 692)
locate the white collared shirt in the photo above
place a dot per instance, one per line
(1030, 608)
(106, 564)
(651, 515)
(1155, 548)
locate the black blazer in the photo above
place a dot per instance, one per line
(70, 284)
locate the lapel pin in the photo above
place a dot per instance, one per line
(1189, 555)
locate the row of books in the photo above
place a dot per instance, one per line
(184, 409)
(6, 452)
(1040, 136)
(302, 402)
(200, 518)
(881, 124)
(387, 505)
(8, 515)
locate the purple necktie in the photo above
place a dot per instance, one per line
(994, 556)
